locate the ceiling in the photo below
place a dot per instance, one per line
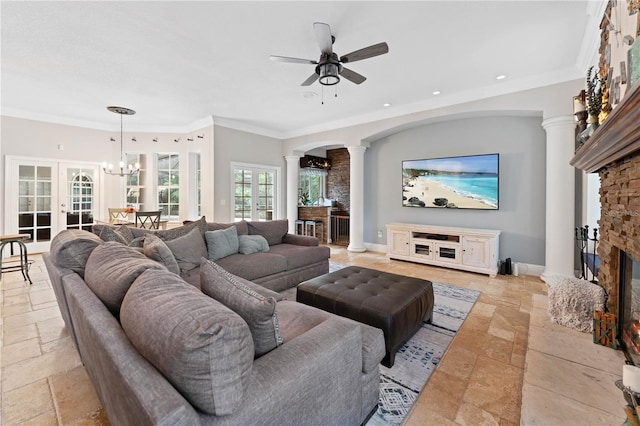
(180, 63)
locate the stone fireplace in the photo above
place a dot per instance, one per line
(614, 152)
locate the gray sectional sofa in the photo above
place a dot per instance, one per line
(162, 350)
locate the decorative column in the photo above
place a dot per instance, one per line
(356, 198)
(293, 170)
(560, 199)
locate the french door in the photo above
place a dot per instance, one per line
(254, 192)
(43, 197)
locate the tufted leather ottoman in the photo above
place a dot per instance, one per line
(394, 303)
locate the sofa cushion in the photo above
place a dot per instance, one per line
(71, 249)
(222, 243)
(272, 230)
(203, 348)
(112, 268)
(154, 248)
(298, 256)
(258, 266)
(241, 226)
(188, 249)
(295, 319)
(240, 296)
(249, 244)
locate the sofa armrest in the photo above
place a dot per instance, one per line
(299, 240)
(323, 364)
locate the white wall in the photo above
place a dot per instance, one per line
(521, 143)
(242, 147)
(50, 141)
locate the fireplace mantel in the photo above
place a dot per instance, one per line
(616, 138)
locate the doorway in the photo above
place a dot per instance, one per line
(43, 197)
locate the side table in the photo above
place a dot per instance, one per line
(24, 262)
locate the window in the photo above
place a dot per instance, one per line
(312, 187)
(134, 187)
(254, 192)
(169, 186)
(198, 185)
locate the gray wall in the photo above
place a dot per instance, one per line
(520, 141)
(242, 147)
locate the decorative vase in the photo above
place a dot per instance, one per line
(591, 128)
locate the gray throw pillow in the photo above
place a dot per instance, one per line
(249, 244)
(203, 348)
(112, 268)
(222, 243)
(154, 248)
(188, 249)
(121, 234)
(180, 231)
(233, 292)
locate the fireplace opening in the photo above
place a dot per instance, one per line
(629, 307)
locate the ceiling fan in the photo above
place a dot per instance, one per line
(329, 67)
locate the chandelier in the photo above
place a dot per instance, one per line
(131, 170)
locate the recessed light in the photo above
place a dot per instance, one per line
(386, 105)
(309, 94)
(501, 77)
(437, 92)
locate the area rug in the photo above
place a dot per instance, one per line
(419, 357)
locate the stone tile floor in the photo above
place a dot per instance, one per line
(506, 349)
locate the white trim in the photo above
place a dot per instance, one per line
(378, 248)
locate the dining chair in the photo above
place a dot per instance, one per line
(116, 214)
(148, 220)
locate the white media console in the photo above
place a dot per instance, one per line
(474, 250)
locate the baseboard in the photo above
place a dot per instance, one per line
(523, 268)
(530, 269)
(380, 248)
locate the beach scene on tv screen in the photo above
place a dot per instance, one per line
(469, 182)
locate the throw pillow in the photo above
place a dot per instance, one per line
(258, 311)
(112, 268)
(188, 249)
(272, 230)
(154, 248)
(222, 243)
(180, 231)
(122, 234)
(249, 244)
(203, 348)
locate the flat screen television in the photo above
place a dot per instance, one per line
(466, 182)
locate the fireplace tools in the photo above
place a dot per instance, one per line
(632, 410)
(588, 246)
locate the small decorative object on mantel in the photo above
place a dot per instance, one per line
(595, 87)
(605, 329)
(580, 112)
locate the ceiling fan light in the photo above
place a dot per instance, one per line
(329, 74)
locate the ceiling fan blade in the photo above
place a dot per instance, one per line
(323, 36)
(312, 78)
(292, 60)
(352, 76)
(367, 52)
